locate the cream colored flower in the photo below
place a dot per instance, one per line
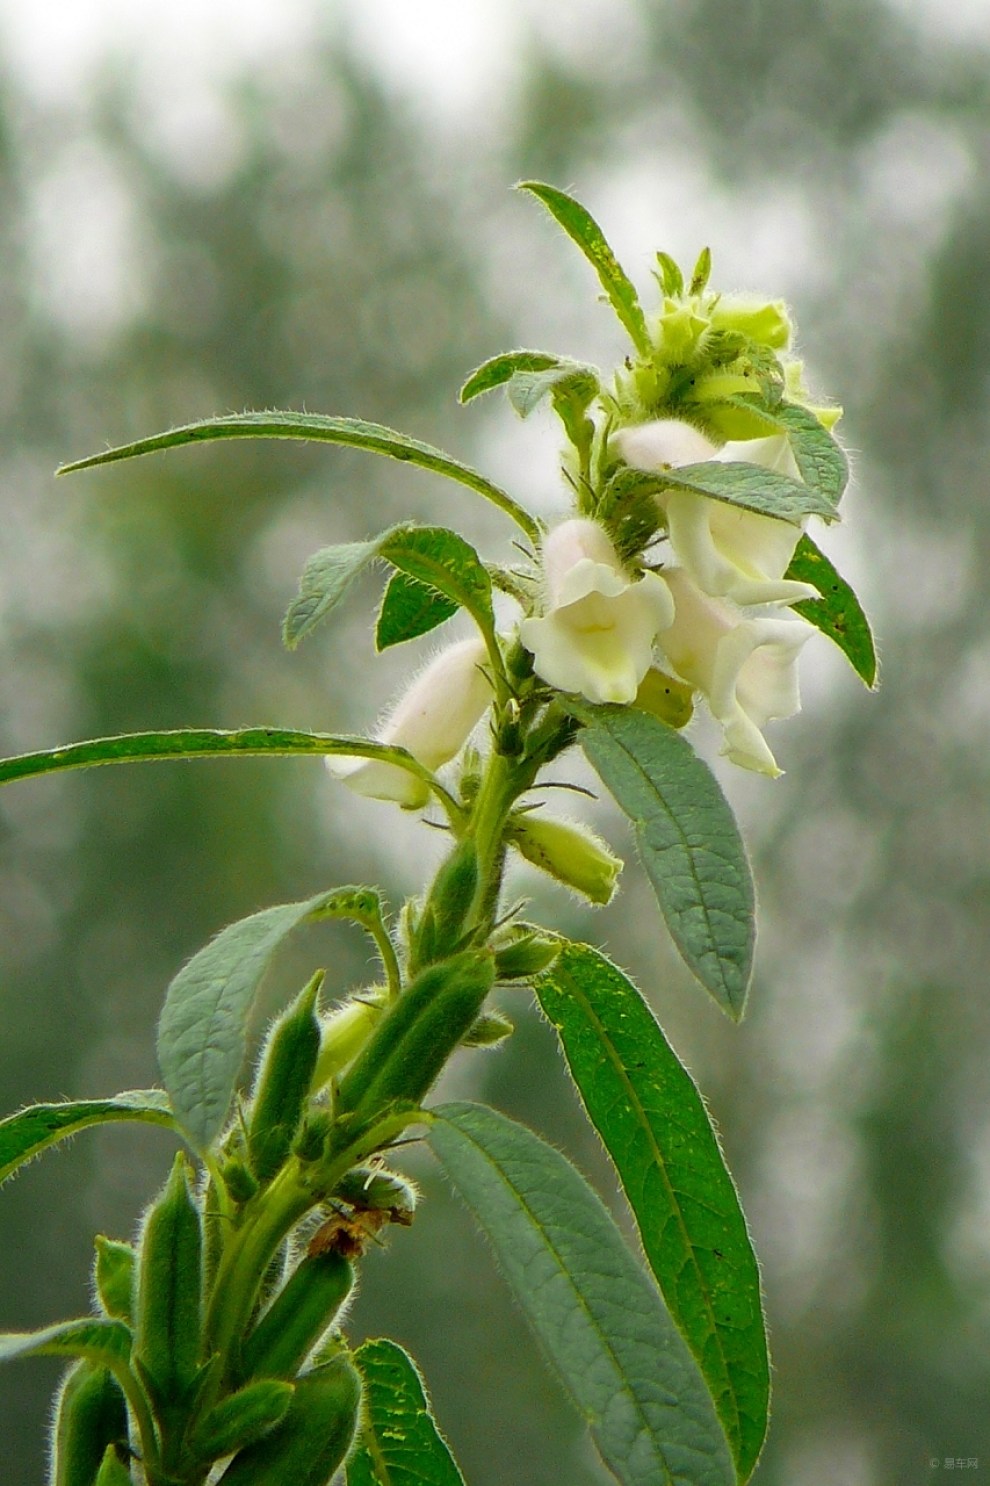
(730, 552)
(432, 720)
(596, 635)
(746, 668)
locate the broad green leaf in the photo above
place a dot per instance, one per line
(443, 560)
(819, 458)
(582, 229)
(838, 613)
(399, 1444)
(752, 487)
(321, 428)
(601, 1322)
(202, 1032)
(409, 609)
(654, 1125)
(201, 743)
(326, 579)
(499, 369)
(688, 839)
(567, 381)
(29, 1132)
(101, 1341)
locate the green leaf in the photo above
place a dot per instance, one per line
(601, 1323)
(409, 609)
(688, 839)
(326, 579)
(101, 1341)
(321, 428)
(702, 272)
(26, 1134)
(202, 1033)
(582, 229)
(400, 1444)
(443, 560)
(654, 1125)
(499, 369)
(752, 487)
(568, 382)
(838, 613)
(819, 458)
(430, 554)
(670, 277)
(201, 743)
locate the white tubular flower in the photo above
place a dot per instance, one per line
(432, 720)
(729, 552)
(747, 668)
(596, 636)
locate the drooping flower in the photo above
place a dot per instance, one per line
(730, 552)
(597, 632)
(432, 720)
(746, 667)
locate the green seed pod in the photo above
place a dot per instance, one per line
(524, 956)
(301, 1312)
(286, 1073)
(170, 1289)
(313, 1438)
(448, 905)
(373, 1189)
(90, 1417)
(488, 1030)
(112, 1472)
(415, 1038)
(113, 1276)
(241, 1419)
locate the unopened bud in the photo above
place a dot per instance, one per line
(524, 955)
(569, 853)
(666, 698)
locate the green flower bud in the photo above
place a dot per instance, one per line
(569, 853)
(90, 1418)
(297, 1318)
(112, 1471)
(241, 1419)
(664, 697)
(284, 1079)
(170, 1289)
(313, 1438)
(524, 955)
(413, 1041)
(345, 1033)
(375, 1189)
(488, 1030)
(766, 322)
(113, 1277)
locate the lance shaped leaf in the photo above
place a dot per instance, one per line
(326, 579)
(354, 433)
(185, 743)
(838, 613)
(601, 1322)
(583, 230)
(400, 1444)
(752, 487)
(409, 609)
(202, 1032)
(654, 1125)
(29, 1132)
(101, 1341)
(500, 369)
(688, 839)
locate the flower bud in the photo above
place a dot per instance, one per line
(432, 720)
(523, 955)
(569, 853)
(764, 321)
(747, 668)
(665, 697)
(597, 632)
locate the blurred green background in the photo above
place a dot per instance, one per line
(295, 203)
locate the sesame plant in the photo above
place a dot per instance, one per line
(684, 575)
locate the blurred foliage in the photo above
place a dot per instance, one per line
(353, 258)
